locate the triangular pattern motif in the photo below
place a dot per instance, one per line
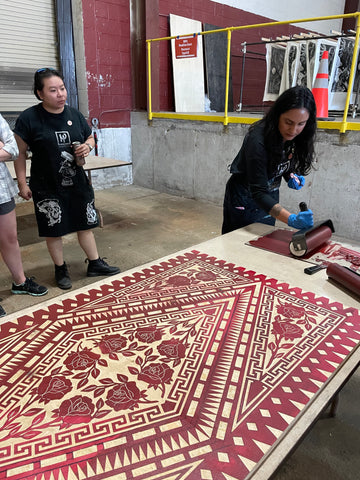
(192, 368)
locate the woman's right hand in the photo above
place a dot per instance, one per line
(25, 192)
(302, 220)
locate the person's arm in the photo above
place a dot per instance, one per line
(4, 155)
(280, 213)
(20, 169)
(8, 146)
(257, 165)
(302, 220)
(90, 143)
(257, 160)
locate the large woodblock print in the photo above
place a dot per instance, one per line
(190, 368)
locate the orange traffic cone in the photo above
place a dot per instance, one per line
(321, 87)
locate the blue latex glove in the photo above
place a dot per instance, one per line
(296, 181)
(301, 220)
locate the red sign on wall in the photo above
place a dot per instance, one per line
(186, 47)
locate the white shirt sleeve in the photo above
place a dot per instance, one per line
(8, 139)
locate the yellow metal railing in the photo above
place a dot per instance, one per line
(342, 126)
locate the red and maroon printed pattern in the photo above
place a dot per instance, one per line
(192, 368)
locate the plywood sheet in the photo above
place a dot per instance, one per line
(188, 73)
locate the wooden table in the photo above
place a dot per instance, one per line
(232, 249)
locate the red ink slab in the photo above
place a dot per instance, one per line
(328, 252)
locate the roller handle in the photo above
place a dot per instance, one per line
(303, 207)
(313, 269)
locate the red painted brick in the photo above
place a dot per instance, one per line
(107, 49)
(214, 13)
(119, 12)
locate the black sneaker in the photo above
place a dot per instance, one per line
(29, 287)
(62, 277)
(2, 312)
(100, 267)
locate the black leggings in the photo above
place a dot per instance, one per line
(239, 208)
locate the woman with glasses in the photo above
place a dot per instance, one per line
(9, 245)
(281, 145)
(63, 197)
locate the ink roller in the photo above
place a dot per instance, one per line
(304, 242)
(344, 276)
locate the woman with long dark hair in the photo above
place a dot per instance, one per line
(281, 145)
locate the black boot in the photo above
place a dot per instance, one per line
(99, 267)
(2, 312)
(62, 277)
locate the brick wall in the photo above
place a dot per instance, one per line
(221, 16)
(108, 67)
(108, 53)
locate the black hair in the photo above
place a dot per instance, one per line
(39, 77)
(295, 97)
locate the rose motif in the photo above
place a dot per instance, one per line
(123, 396)
(77, 409)
(112, 343)
(172, 349)
(148, 334)
(287, 329)
(178, 280)
(53, 388)
(156, 374)
(205, 276)
(291, 311)
(81, 360)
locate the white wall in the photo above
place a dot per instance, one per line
(280, 10)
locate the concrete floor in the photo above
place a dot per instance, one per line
(142, 225)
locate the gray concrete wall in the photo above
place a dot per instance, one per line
(190, 159)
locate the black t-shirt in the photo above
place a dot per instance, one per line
(49, 137)
(253, 170)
